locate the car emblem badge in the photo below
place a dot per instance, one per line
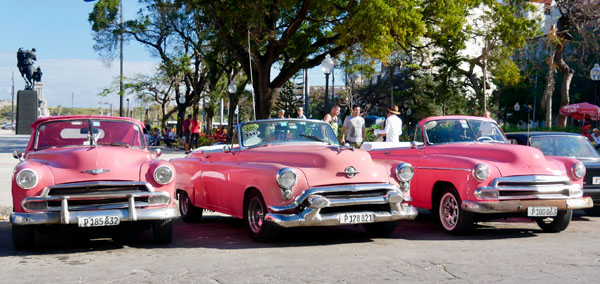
(96, 171)
(351, 171)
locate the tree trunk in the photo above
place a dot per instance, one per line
(548, 91)
(566, 84)
(233, 102)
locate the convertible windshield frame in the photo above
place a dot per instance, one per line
(88, 140)
(284, 131)
(448, 131)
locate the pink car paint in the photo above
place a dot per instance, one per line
(446, 152)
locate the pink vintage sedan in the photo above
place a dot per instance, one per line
(90, 171)
(289, 173)
(466, 172)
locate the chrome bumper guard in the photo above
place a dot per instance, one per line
(316, 199)
(18, 218)
(120, 200)
(510, 206)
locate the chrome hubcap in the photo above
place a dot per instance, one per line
(449, 211)
(256, 216)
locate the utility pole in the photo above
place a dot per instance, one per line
(12, 109)
(72, 104)
(121, 69)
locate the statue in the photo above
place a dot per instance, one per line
(25, 60)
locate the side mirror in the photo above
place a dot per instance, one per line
(157, 153)
(413, 144)
(18, 155)
(226, 149)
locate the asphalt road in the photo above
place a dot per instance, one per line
(218, 250)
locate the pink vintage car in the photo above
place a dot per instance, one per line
(291, 172)
(90, 171)
(466, 172)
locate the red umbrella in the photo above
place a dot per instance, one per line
(581, 110)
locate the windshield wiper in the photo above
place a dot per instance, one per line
(120, 144)
(313, 138)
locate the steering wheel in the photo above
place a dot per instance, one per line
(485, 139)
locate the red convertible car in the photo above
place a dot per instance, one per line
(465, 171)
(90, 171)
(289, 173)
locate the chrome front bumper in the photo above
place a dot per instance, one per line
(510, 206)
(19, 218)
(316, 199)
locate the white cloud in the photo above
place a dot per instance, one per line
(84, 78)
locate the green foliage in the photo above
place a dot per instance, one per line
(287, 101)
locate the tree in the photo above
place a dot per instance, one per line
(287, 101)
(293, 35)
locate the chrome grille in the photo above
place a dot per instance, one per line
(532, 187)
(97, 187)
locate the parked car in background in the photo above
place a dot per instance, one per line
(90, 171)
(8, 125)
(572, 145)
(465, 172)
(282, 173)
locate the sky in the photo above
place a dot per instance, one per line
(73, 73)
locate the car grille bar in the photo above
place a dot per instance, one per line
(532, 187)
(96, 187)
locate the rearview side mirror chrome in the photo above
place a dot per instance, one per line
(18, 155)
(413, 144)
(226, 149)
(157, 153)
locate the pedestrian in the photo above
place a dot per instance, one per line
(280, 114)
(300, 112)
(332, 118)
(186, 133)
(596, 137)
(354, 128)
(393, 126)
(195, 130)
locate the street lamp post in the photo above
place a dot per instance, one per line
(595, 75)
(327, 67)
(232, 89)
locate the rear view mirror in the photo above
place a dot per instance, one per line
(18, 155)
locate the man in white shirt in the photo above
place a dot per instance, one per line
(353, 130)
(393, 126)
(596, 137)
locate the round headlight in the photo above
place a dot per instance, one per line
(578, 170)
(286, 178)
(480, 172)
(26, 179)
(163, 174)
(404, 172)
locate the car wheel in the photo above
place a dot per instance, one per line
(555, 224)
(454, 219)
(594, 211)
(254, 216)
(23, 236)
(189, 213)
(163, 231)
(380, 229)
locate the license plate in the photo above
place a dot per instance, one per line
(98, 221)
(356, 218)
(541, 211)
(595, 180)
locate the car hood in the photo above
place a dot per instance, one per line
(509, 159)
(322, 165)
(76, 164)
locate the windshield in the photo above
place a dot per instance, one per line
(463, 130)
(286, 131)
(71, 133)
(567, 146)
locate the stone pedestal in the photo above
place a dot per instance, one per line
(27, 111)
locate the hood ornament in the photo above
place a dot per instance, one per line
(96, 171)
(351, 171)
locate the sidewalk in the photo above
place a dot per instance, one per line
(10, 142)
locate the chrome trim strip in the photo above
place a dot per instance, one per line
(19, 218)
(65, 198)
(328, 189)
(439, 168)
(148, 186)
(512, 206)
(311, 217)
